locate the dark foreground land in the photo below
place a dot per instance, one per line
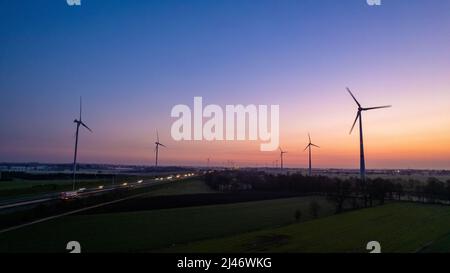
(191, 216)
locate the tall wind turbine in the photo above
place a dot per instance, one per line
(362, 164)
(79, 123)
(281, 156)
(310, 144)
(157, 143)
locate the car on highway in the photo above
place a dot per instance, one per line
(67, 195)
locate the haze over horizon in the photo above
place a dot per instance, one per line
(133, 61)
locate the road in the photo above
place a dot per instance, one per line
(69, 213)
(44, 198)
(89, 192)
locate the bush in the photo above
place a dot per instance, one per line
(314, 209)
(298, 215)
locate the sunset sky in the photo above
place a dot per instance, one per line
(132, 61)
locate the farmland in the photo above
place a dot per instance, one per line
(157, 229)
(21, 187)
(189, 216)
(399, 227)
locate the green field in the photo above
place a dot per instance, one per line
(262, 226)
(156, 229)
(21, 184)
(191, 186)
(399, 227)
(21, 188)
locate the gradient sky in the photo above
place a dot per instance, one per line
(132, 61)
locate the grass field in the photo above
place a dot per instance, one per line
(261, 226)
(21, 184)
(399, 227)
(19, 187)
(156, 229)
(192, 186)
(22, 188)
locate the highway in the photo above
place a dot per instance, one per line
(86, 192)
(69, 213)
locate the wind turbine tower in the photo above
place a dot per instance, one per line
(281, 157)
(310, 144)
(157, 143)
(79, 123)
(362, 163)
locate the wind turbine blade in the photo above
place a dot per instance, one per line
(309, 136)
(306, 147)
(379, 107)
(351, 94)
(356, 119)
(157, 136)
(315, 145)
(85, 126)
(163, 145)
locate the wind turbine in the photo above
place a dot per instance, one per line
(157, 143)
(362, 164)
(79, 123)
(281, 156)
(310, 144)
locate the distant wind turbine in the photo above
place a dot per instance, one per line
(361, 145)
(281, 156)
(310, 144)
(157, 143)
(79, 123)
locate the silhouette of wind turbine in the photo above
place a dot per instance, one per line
(79, 123)
(157, 143)
(281, 156)
(310, 144)
(362, 164)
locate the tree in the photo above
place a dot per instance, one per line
(447, 189)
(340, 192)
(298, 215)
(434, 189)
(398, 187)
(379, 189)
(314, 209)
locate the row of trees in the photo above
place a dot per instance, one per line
(338, 190)
(433, 190)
